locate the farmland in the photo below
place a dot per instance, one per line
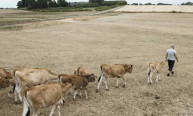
(113, 38)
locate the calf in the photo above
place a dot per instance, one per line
(154, 67)
(116, 70)
(31, 77)
(45, 95)
(79, 82)
(80, 71)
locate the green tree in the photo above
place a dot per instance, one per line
(62, 3)
(19, 4)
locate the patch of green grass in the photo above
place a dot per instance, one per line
(11, 28)
(65, 9)
(102, 8)
(11, 21)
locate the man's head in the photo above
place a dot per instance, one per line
(172, 46)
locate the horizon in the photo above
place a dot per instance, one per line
(13, 3)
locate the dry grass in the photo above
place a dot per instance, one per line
(124, 38)
(156, 8)
(14, 16)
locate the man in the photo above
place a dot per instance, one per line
(170, 57)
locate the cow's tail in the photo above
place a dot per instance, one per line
(26, 104)
(148, 69)
(101, 73)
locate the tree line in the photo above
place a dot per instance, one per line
(35, 4)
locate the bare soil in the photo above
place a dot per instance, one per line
(131, 38)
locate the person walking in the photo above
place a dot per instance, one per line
(170, 58)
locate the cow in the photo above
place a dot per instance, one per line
(80, 71)
(154, 67)
(116, 70)
(80, 82)
(5, 78)
(31, 77)
(44, 95)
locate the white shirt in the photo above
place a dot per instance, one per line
(171, 52)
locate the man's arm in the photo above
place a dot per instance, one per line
(166, 57)
(176, 57)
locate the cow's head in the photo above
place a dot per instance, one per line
(128, 68)
(4, 82)
(91, 78)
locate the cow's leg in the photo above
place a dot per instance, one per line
(25, 109)
(17, 93)
(36, 110)
(80, 94)
(75, 93)
(117, 84)
(86, 94)
(16, 96)
(106, 83)
(53, 109)
(100, 80)
(150, 78)
(124, 85)
(158, 77)
(58, 108)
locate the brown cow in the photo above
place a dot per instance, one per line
(31, 77)
(79, 81)
(80, 71)
(5, 78)
(45, 95)
(154, 67)
(116, 70)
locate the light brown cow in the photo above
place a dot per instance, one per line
(31, 77)
(45, 95)
(154, 67)
(116, 70)
(79, 82)
(80, 71)
(5, 78)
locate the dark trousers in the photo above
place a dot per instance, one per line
(171, 64)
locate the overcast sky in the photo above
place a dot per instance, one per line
(13, 3)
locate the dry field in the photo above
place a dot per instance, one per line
(15, 16)
(133, 38)
(156, 8)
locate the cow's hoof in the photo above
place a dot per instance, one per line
(124, 86)
(107, 89)
(97, 90)
(11, 92)
(149, 83)
(117, 86)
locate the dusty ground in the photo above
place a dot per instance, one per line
(124, 38)
(156, 8)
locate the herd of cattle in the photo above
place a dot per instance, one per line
(39, 87)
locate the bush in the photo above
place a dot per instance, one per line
(163, 4)
(187, 3)
(111, 3)
(62, 9)
(88, 5)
